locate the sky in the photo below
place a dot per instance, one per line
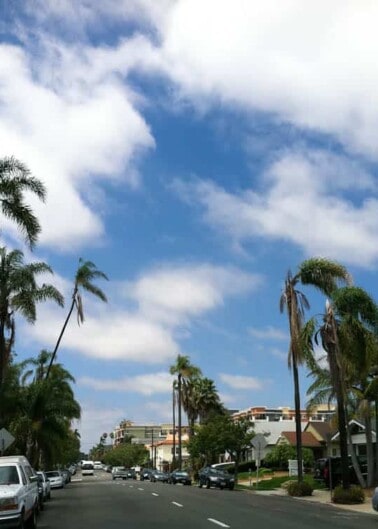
(195, 151)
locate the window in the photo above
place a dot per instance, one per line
(9, 475)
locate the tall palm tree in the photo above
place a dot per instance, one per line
(85, 275)
(174, 402)
(19, 294)
(43, 422)
(184, 371)
(207, 399)
(325, 275)
(15, 180)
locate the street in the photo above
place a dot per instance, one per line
(97, 502)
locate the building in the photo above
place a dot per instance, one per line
(273, 422)
(163, 452)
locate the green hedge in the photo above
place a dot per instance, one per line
(295, 488)
(350, 496)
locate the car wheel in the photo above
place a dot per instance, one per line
(32, 522)
(231, 487)
(221, 487)
(49, 495)
(200, 484)
(208, 484)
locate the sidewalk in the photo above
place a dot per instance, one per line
(324, 496)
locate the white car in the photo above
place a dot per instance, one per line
(56, 479)
(18, 492)
(46, 485)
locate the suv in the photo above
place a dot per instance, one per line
(119, 472)
(180, 476)
(18, 492)
(328, 469)
(211, 477)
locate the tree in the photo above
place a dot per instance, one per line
(128, 455)
(348, 335)
(325, 276)
(15, 180)
(85, 275)
(42, 425)
(19, 294)
(279, 456)
(184, 371)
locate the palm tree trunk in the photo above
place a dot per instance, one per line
(61, 334)
(355, 463)
(376, 440)
(3, 352)
(179, 424)
(298, 421)
(369, 448)
(174, 428)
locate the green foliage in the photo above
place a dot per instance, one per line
(219, 435)
(299, 488)
(278, 457)
(351, 496)
(128, 455)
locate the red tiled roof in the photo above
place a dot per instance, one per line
(308, 439)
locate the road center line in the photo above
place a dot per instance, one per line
(131, 486)
(177, 504)
(139, 488)
(154, 494)
(218, 522)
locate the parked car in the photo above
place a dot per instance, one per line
(119, 473)
(374, 500)
(18, 492)
(56, 479)
(179, 476)
(145, 474)
(45, 484)
(97, 465)
(212, 477)
(328, 469)
(66, 475)
(131, 474)
(157, 475)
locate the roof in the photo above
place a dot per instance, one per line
(308, 439)
(323, 428)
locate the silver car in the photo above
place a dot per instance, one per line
(56, 479)
(46, 485)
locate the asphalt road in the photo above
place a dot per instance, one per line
(100, 503)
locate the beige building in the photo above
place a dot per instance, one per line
(163, 452)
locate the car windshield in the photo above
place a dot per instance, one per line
(87, 467)
(53, 474)
(181, 474)
(9, 475)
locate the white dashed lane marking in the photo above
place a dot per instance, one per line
(177, 504)
(154, 494)
(217, 522)
(140, 488)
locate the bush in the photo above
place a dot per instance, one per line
(350, 496)
(285, 484)
(296, 488)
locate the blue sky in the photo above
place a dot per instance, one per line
(195, 151)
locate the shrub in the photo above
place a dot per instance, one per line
(296, 488)
(285, 484)
(350, 496)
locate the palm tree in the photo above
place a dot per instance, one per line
(174, 399)
(19, 293)
(43, 422)
(325, 276)
(184, 371)
(15, 180)
(85, 274)
(207, 399)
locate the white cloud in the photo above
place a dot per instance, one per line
(278, 353)
(166, 299)
(75, 133)
(94, 422)
(318, 73)
(172, 294)
(268, 333)
(146, 384)
(241, 382)
(298, 205)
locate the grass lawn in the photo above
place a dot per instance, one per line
(276, 482)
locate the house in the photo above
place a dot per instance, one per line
(357, 430)
(163, 452)
(308, 441)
